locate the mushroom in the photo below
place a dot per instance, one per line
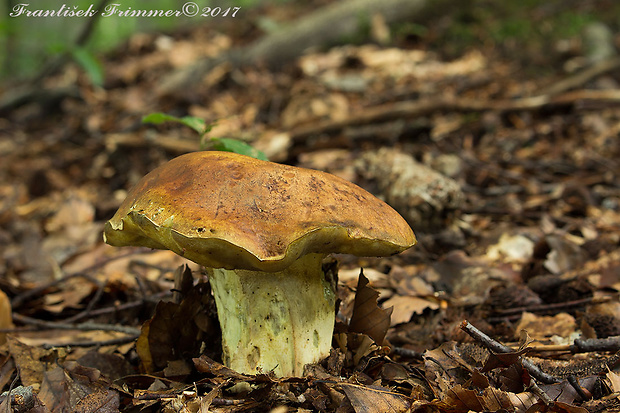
(262, 230)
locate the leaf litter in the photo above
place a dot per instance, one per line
(518, 223)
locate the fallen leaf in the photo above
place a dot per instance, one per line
(490, 399)
(101, 401)
(564, 256)
(27, 360)
(367, 317)
(6, 317)
(372, 399)
(405, 307)
(614, 381)
(174, 331)
(75, 388)
(539, 327)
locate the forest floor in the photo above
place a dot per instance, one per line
(508, 301)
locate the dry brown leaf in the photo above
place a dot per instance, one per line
(372, 399)
(540, 327)
(565, 255)
(71, 296)
(174, 330)
(101, 401)
(74, 388)
(6, 316)
(205, 365)
(7, 368)
(303, 109)
(27, 360)
(405, 306)
(489, 399)
(367, 317)
(614, 381)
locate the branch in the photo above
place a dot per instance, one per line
(500, 348)
(51, 325)
(422, 107)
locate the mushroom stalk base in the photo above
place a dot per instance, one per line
(275, 321)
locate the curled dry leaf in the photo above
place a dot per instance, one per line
(367, 317)
(175, 330)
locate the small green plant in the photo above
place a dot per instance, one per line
(203, 128)
(90, 64)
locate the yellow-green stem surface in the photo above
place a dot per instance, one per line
(277, 321)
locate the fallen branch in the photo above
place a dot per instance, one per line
(51, 325)
(102, 343)
(422, 107)
(580, 78)
(498, 347)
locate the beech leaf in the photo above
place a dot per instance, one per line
(368, 318)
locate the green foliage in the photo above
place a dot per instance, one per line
(31, 38)
(233, 145)
(203, 128)
(518, 27)
(195, 123)
(90, 64)
(572, 24)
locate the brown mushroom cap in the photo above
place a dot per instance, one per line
(226, 210)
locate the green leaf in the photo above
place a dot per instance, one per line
(236, 146)
(195, 123)
(200, 126)
(90, 64)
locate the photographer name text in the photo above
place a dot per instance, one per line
(189, 9)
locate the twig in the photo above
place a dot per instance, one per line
(500, 348)
(582, 77)
(91, 304)
(410, 109)
(82, 327)
(575, 384)
(596, 344)
(18, 300)
(544, 397)
(128, 306)
(98, 312)
(219, 401)
(540, 308)
(405, 352)
(580, 346)
(102, 343)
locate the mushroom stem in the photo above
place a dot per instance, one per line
(275, 321)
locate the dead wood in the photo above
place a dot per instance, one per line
(582, 76)
(325, 27)
(422, 107)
